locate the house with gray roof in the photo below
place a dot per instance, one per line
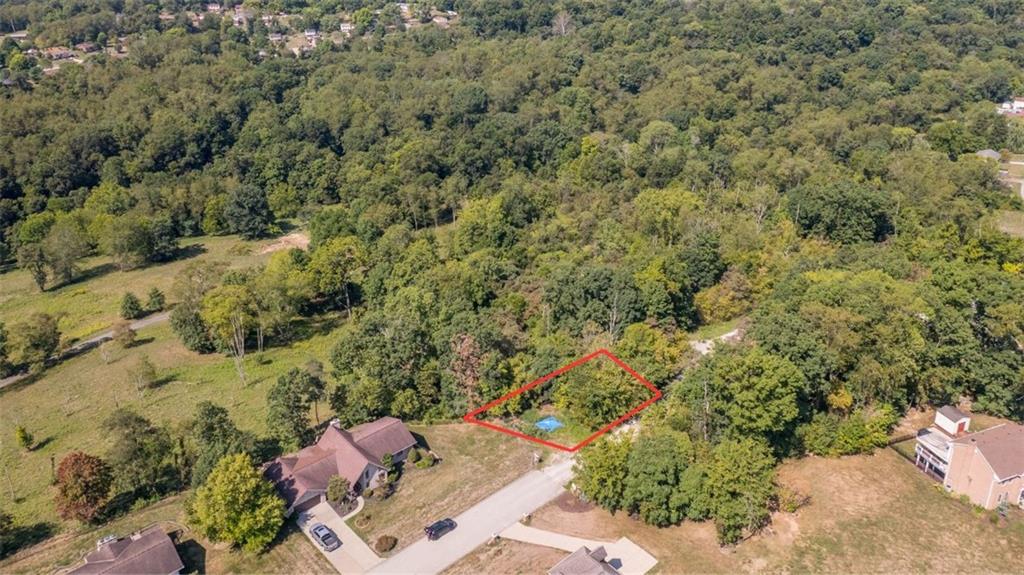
(583, 561)
(986, 466)
(148, 552)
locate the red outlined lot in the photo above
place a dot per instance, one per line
(471, 417)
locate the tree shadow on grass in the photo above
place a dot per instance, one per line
(42, 443)
(86, 275)
(142, 341)
(22, 536)
(187, 252)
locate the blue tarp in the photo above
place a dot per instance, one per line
(549, 424)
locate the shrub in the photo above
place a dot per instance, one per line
(863, 430)
(337, 489)
(155, 301)
(131, 308)
(24, 438)
(426, 461)
(414, 456)
(385, 543)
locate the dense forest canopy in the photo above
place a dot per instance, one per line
(488, 201)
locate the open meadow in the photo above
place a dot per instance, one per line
(92, 302)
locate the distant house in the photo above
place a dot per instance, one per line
(989, 155)
(241, 16)
(355, 454)
(214, 8)
(1014, 105)
(986, 466)
(276, 37)
(583, 561)
(87, 47)
(58, 53)
(148, 552)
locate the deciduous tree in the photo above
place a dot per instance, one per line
(83, 483)
(237, 505)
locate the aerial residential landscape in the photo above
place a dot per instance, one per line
(511, 287)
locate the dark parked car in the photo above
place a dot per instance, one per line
(324, 537)
(438, 528)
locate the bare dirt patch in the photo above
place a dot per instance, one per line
(507, 557)
(298, 240)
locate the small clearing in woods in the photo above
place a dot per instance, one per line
(293, 240)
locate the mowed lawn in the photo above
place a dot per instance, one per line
(290, 553)
(476, 462)
(868, 514)
(91, 303)
(65, 408)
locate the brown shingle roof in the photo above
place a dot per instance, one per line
(1002, 447)
(583, 561)
(150, 552)
(386, 435)
(951, 413)
(337, 452)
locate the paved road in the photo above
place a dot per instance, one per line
(91, 342)
(626, 556)
(478, 524)
(354, 557)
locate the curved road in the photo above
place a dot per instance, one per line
(91, 342)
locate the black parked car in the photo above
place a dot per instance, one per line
(436, 529)
(325, 537)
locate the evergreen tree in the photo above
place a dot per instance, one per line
(131, 308)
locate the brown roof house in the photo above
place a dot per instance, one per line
(148, 552)
(355, 454)
(986, 466)
(583, 561)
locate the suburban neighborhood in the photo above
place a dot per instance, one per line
(511, 287)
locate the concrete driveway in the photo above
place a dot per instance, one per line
(482, 521)
(354, 557)
(626, 556)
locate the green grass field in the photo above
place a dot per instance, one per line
(64, 408)
(91, 303)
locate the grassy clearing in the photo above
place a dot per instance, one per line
(291, 553)
(1011, 222)
(869, 513)
(476, 462)
(64, 409)
(91, 303)
(715, 330)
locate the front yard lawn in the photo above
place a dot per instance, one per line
(475, 463)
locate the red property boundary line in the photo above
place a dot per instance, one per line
(471, 417)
